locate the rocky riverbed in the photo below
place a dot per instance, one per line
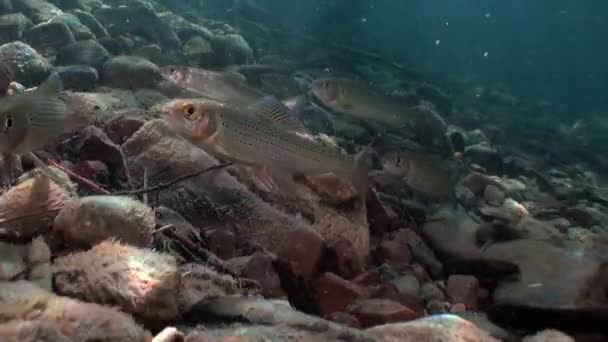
(517, 253)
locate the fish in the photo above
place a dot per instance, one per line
(31, 120)
(228, 87)
(5, 80)
(420, 173)
(357, 99)
(264, 136)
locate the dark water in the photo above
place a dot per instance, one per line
(541, 50)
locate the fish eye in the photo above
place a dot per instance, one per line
(398, 161)
(9, 122)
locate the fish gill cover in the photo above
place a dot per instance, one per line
(309, 170)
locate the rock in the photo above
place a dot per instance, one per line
(292, 227)
(344, 318)
(76, 320)
(548, 336)
(185, 28)
(221, 242)
(154, 54)
(137, 19)
(139, 281)
(444, 328)
(149, 98)
(89, 220)
(408, 285)
(6, 6)
(430, 291)
(78, 77)
(25, 64)
(84, 52)
(232, 49)
(342, 259)
(94, 144)
(420, 251)
(80, 31)
(122, 127)
(254, 319)
(334, 294)
(94, 170)
(259, 268)
(199, 282)
(463, 289)
(114, 46)
(371, 312)
(130, 72)
(485, 156)
(93, 24)
(368, 278)
(493, 196)
(30, 207)
(393, 253)
(30, 261)
(31, 331)
(452, 234)
(482, 322)
(541, 283)
(13, 26)
(199, 51)
(49, 37)
(586, 216)
(37, 10)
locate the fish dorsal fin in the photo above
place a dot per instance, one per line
(271, 109)
(51, 86)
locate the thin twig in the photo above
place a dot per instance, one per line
(145, 185)
(162, 229)
(92, 185)
(162, 186)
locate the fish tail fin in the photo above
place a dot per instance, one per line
(52, 86)
(360, 170)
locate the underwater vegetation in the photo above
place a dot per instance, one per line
(177, 170)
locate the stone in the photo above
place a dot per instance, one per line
(84, 52)
(232, 49)
(221, 242)
(393, 253)
(368, 278)
(420, 251)
(371, 312)
(198, 50)
(485, 156)
(493, 196)
(78, 77)
(94, 144)
(138, 19)
(37, 11)
(408, 285)
(94, 170)
(80, 31)
(334, 294)
(463, 289)
(49, 37)
(26, 65)
(444, 328)
(92, 23)
(259, 268)
(122, 127)
(130, 72)
(139, 281)
(342, 259)
(548, 335)
(89, 220)
(344, 318)
(199, 282)
(430, 291)
(452, 234)
(551, 277)
(13, 26)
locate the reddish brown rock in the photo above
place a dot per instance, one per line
(344, 318)
(372, 312)
(94, 144)
(385, 291)
(342, 259)
(222, 242)
(458, 307)
(393, 253)
(381, 218)
(463, 289)
(334, 293)
(368, 278)
(93, 169)
(420, 251)
(122, 127)
(259, 268)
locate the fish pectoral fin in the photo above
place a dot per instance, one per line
(51, 86)
(269, 108)
(273, 180)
